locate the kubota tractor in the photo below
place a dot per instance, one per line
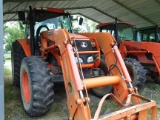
(145, 49)
(126, 32)
(50, 50)
(148, 34)
(138, 44)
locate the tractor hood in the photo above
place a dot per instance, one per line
(77, 36)
(61, 34)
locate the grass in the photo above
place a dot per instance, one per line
(7, 71)
(13, 106)
(14, 109)
(151, 91)
(7, 81)
(8, 60)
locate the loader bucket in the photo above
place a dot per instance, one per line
(128, 111)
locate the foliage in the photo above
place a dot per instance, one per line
(87, 25)
(90, 25)
(12, 31)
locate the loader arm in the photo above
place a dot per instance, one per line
(105, 42)
(72, 80)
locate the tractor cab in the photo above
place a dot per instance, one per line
(121, 30)
(43, 19)
(149, 34)
(51, 18)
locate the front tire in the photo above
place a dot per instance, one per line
(101, 91)
(36, 86)
(137, 73)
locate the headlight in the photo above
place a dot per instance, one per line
(80, 60)
(90, 59)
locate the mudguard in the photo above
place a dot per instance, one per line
(25, 46)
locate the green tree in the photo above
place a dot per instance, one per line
(12, 31)
(87, 26)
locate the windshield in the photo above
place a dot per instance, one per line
(150, 34)
(52, 21)
(147, 35)
(125, 31)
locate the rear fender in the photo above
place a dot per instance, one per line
(25, 46)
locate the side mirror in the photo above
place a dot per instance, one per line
(21, 16)
(80, 21)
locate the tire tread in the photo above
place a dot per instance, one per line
(42, 85)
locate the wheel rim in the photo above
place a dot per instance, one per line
(25, 87)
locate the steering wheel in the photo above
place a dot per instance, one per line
(38, 32)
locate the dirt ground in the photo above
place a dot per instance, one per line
(14, 110)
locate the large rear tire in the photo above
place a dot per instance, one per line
(137, 73)
(17, 54)
(101, 91)
(36, 86)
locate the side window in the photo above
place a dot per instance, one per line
(158, 34)
(145, 37)
(104, 30)
(139, 35)
(149, 35)
(152, 37)
(110, 29)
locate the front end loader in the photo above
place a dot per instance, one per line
(52, 52)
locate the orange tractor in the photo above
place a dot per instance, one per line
(138, 45)
(51, 49)
(149, 38)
